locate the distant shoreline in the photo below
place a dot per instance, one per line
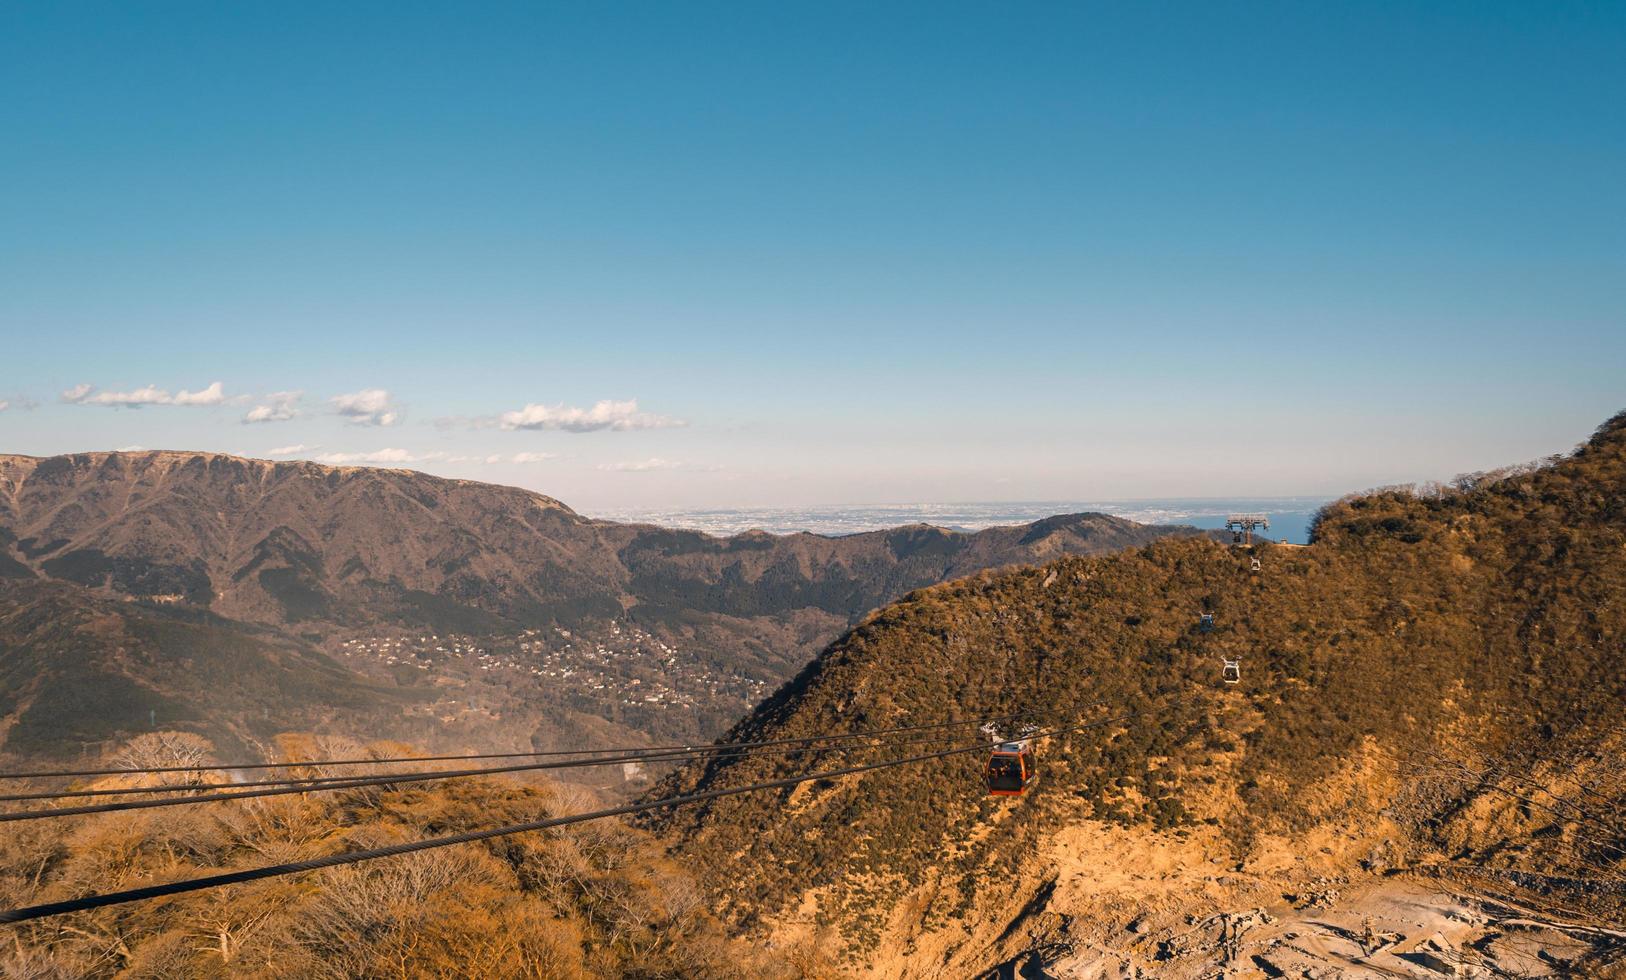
(1290, 516)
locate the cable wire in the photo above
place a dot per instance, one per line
(686, 746)
(353, 857)
(316, 783)
(330, 784)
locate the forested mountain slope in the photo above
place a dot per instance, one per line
(1432, 648)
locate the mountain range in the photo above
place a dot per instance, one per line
(1416, 773)
(238, 597)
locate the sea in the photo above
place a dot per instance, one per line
(1290, 517)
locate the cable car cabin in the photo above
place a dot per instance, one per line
(1231, 673)
(1011, 769)
(1206, 624)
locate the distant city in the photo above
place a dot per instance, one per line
(1289, 516)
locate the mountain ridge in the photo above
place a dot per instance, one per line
(419, 571)
(1476, 627)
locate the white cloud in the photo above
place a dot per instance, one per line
(657, 463)
(149, 395)
(280, 406)
(370, 406)
(492, 459)
(132, 449)
(612, 415)
(212, 395)
(642, 465)
(4, 405)
(403, 457)
(386, 456)
(293, 450)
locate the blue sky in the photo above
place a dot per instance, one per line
(836, 253)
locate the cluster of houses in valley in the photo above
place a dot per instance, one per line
(616, 662)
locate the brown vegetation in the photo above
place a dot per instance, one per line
(592, 900)
(1484, 618)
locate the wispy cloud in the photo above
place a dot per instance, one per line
(141, 397)
(377, 456)
(370, 406)
(656, 463)
(279, 406)
(4, 404)
(604, 415)
(641, 465)
(403, 457)
(293, 450)
(18, 403)
(212, 395)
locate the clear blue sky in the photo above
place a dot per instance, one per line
(863, 252)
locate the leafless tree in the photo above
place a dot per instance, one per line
(36, 964)
(166, 750)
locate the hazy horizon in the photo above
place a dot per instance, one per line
(1289, 516)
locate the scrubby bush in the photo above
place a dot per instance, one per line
(590, 900)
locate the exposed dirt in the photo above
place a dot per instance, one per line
(1397, 927)
(1102, 903)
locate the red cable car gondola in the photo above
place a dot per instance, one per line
(1011, 768)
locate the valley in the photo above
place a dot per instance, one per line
(467, 616)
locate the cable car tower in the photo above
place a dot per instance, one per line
(1242, 526)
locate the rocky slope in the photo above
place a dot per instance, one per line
(1431, 698)
(470, 614)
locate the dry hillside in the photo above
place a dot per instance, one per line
(1433, 690)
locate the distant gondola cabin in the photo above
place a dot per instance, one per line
(1011, 769)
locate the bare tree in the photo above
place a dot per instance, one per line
(166, 750)
(35, 964)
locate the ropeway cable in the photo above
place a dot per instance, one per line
(333, 783)
(317, 783)
(685, 746)
(354, 857)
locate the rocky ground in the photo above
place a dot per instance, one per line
(1107, 903)
(1398, 927)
